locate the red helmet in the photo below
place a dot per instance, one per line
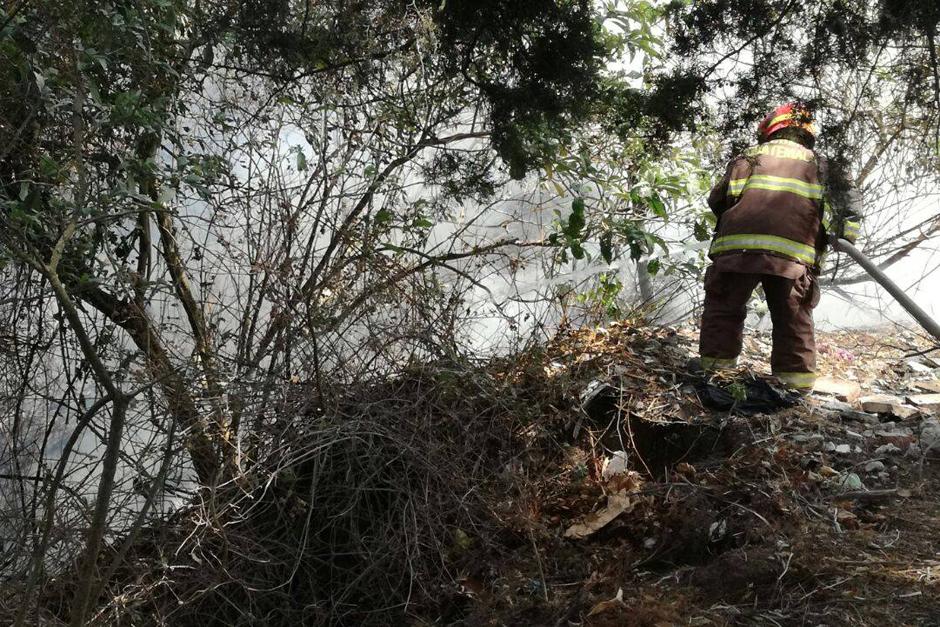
(791, 114)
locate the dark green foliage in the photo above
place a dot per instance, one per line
(537, 63)
(463, 175)
(672, 104)
(791, 46)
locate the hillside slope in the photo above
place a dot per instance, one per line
(582, 483)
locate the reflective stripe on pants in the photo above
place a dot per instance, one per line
(791, 303)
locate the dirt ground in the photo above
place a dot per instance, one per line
(795, 516)
(595, 481)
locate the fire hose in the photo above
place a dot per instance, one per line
(921, 316)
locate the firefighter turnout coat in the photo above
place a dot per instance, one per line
(772, 230)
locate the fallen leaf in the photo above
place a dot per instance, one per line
(603, 606)
(616, 504)
(686, 470)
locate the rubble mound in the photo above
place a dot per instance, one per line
(592, 481)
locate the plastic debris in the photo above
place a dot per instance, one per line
(615, 465)
(851, 481)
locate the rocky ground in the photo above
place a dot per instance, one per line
(642, 506)
(593, 481)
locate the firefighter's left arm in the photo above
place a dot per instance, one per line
(718, 198)
(844, 220)
(842, 204)
(850, 222)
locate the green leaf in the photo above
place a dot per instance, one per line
(653, 266)
(301, 161)
(577, 251)
(48, 167)
(607, 246)
(701, 231)
(576, 220)
(383, 216)
(738, 391)
(658, 207)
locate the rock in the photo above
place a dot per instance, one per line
(887, 449)
(894, 432)
(917, 367)
(930, 434)
(829, 447)
(930, 387)
(902, 437)
(847, 391)
(874, 466)
(885, 404)
(843, 449)
(802, 438)
(926, 402)
(913, 451)
(833, 405)
(851, 482)
(861, 416)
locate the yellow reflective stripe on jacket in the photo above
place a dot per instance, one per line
(851, 229)
(813, 191)
(797, 379)
(827, 214)
(772, 243)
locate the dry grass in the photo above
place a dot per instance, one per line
(442, 497)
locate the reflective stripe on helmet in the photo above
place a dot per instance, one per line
(792, 114)
(783, 117)
(771, 243)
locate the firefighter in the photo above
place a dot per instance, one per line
(772, 210)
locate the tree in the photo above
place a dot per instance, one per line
(870, 71)
(142, 159)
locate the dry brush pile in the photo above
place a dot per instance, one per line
(482, 493)
(359, 512)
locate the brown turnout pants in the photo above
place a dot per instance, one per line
(791, 303)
